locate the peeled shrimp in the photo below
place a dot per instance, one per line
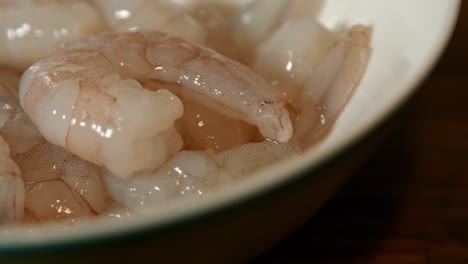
(186, 174)
(18, 130)
(11, 184)
(249, 158)
(80, 98)
(291, 53)
(329, 88)
(58, 184)
(161, 15)
(194, 173)
(29, 32)
(202, 129)
(11, 188)
(118, 211)
(236, 33)
(253, 25)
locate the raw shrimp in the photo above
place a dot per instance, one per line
(329, 88)
(81, 98)
(16, 127)
(236, 33)
(59, 185)
(118, 211)
(186, 174)
(11, 188)
(11, 183)
(291, 53)
(98, 116)
(249, 158)
(151, 15)
(28, 33)
(253, 25)
(202, 128)
(194, 173)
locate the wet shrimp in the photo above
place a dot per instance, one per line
(236, 33)
(332, 84)
(320, 97)
(317, 71)
(27, 35)
(186, 174)
(191, 174)
(11, 188)
(58, 185)
(291, 53)
(150, 15)
(54, 184)
(125, 111)
(87, 98)
(253, 25)
(202, 128)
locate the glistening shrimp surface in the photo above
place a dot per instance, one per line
(166, 101)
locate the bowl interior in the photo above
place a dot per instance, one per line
(408, 37)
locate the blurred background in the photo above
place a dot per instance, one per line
(408, 203)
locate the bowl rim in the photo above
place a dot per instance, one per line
(238, 196)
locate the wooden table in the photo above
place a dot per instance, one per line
(408, 203)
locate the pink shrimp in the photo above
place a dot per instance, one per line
(82, 97)
(11, 188)
(54, 184)
(58, 185)
(331, 85)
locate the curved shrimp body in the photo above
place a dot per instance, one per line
(331, 85)
(194, 173)
(186, 174)
(82, 97)
(78, 103)
(28, 35)
(11, 188)
(57, 184)
(196, 72)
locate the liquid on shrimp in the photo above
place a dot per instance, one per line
(58, 186)
(203, 128)
(12, 189)
(193, 174)
(188, 174)
(122, 123)
(96, 108)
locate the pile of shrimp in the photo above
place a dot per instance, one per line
(115, 108)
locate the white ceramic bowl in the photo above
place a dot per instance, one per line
(238, 222)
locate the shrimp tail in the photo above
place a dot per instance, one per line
(332, 84)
